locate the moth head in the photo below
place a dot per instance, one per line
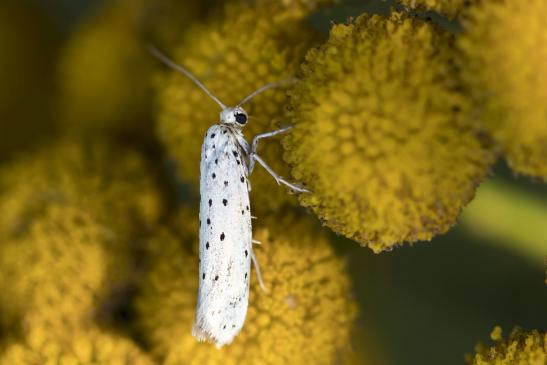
(234, 116)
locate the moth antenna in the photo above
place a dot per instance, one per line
(266, 87)
(168, 62)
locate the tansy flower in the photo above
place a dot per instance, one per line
(504, 48)
(239, 49)
(305, 317)
(86, 347)
(71, 208)
(382, 137)
(113, 182)
(105, 68)
(450, 8)
(56, 272)
(526, 348)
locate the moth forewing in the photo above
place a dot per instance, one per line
(225, 237)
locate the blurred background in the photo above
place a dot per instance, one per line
(429, 303)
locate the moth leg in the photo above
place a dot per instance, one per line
(257, 270)
(257, 242)
(258, 137)
(278, 178)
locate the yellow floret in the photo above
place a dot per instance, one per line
(305, 317)
(450, 8)
(521, 348)
(237, 51)
(382, 137)
(504, 48)
(85, 347)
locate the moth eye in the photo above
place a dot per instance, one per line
(241, 118)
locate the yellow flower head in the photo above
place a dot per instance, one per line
(504, 48)
(67, 210)
(449, 8)
(56, 272)
(104, 72)
(382, 138)
(305, 317)
(237, 51)
(113, 182)
(86, 347)
(526, 348)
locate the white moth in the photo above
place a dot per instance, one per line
(225, 235)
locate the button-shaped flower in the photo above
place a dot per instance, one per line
(305, 317)
(382, 135)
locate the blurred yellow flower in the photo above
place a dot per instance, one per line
(236, 51)
(55, 273)
(116, 183)
(305, 317)
(105, 69)
(450, 8)
(85, 347)
(71, 216)
(521, 348)
(382, 137)
(504, 48)
(103, 72)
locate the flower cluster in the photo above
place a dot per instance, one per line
(521, 347)
(503, 52)
(396, 122)
(382, 136)
(308, 304)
